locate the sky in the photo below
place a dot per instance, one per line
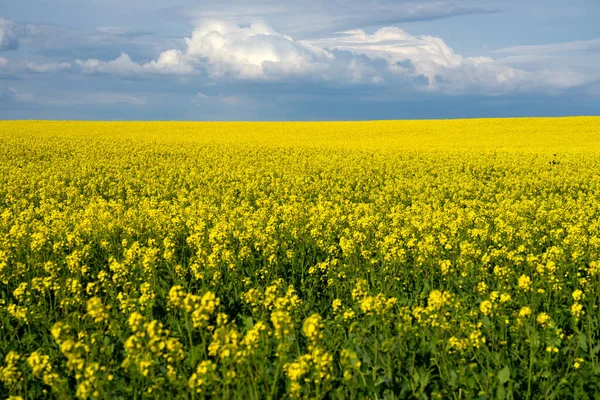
(298, 60)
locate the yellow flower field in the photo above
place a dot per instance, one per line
(393, 259)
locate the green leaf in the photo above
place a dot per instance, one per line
(504, 375)
(501, 393)
(453, 378)
(582, 342)
(248, 322)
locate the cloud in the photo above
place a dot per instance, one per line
(9, 95)
(21, 69)
(257, 52)
(48, 67)
(423, 54)
(228, 51)
(552, 48)
(307, 18)
(446, 71)
(8, 35)
(253, 52)
(566, 59)
(119, 32)
(170, 62)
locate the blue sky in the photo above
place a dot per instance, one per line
(298, 60)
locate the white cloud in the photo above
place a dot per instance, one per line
(552, 48)
(307, 18)
(258, 52)
(224, 50)
(170, 62)
(253, 52)
(575, 61)
(431, 57)
(425, 53)
(48, 67)
(8, 35)
(3, 62)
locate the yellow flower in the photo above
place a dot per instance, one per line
(96, 310)
(10, 373)
(445, 266)
(525, 312)
(458, 344)
(544, 320)
(312, 328)
(486, 307)
(336, 304)
(505, 298)
(39, 363)
(437, 299)
(482, 288)
(135, 321)
(577, 310)
(594, 268)
(282, 322)
(578, 295)
(524, 282)
(176, 296)
(203, 376)
(348, 315)
(477, 339)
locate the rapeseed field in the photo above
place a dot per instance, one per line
(416, 259)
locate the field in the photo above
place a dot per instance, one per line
(411, 259)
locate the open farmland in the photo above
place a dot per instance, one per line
(414, 259)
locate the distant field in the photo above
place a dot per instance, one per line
(392, 259)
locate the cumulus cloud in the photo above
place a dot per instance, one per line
(225, 50)
(8, 35)
(254, 52)
(424, 54)
(432, 58)
(169, 62)
(258, 52)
